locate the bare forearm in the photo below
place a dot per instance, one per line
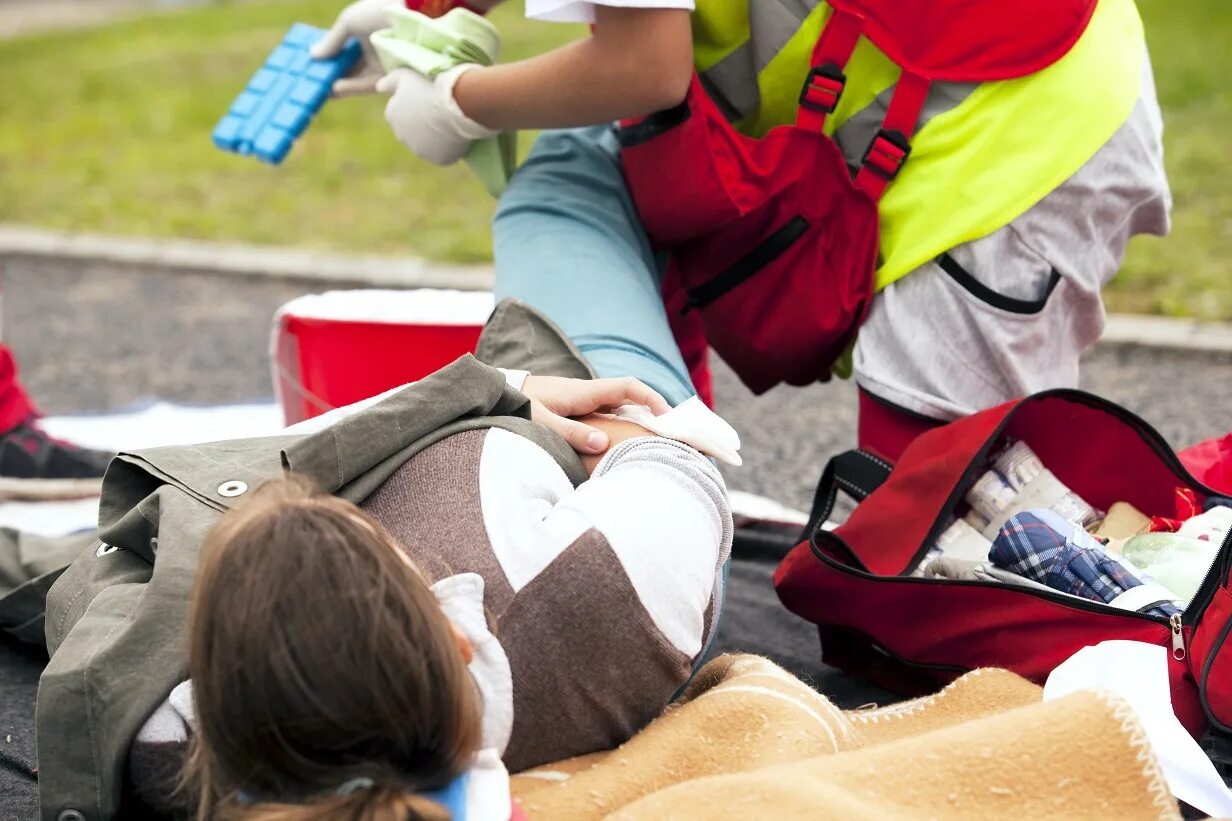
(637, 61)
(617, 430)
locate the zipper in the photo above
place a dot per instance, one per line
(1215, 576)
(655, 125)
(882, 650)
(1178, 637)
(766, 252)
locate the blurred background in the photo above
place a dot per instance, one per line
(106, 109)
(106, 112)
(106, 128)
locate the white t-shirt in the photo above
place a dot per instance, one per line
(583, 11)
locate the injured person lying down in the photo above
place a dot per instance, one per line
(475, 603)
(390, 608)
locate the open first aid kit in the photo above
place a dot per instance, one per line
(1014, 538)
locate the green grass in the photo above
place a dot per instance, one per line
(1188, 273)
(107, 130)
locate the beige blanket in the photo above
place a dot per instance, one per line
(749, 740)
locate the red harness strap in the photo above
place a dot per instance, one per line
(823, 87)
(891, 146)
(825, 81)
(783, 217)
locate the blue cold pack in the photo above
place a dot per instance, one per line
(283, 96)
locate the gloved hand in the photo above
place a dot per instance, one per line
(357, 20)
(425, 117)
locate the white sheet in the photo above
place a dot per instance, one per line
(1138, 673)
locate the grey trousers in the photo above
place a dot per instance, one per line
(29, 565)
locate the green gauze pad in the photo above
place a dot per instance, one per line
(429, 46)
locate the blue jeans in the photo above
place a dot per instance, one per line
(568, 241)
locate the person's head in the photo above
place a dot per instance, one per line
(321, 660)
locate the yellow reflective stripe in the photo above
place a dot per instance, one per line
(718, 30)
(779, 82)
(984, 163)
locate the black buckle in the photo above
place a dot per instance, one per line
(896, 139)
(827, 71)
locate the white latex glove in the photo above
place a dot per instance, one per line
(358, 20)
(425, 117)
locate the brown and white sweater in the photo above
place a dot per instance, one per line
(588, 607)
(602, 597)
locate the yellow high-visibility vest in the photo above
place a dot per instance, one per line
(973, 168)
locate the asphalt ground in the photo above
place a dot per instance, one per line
(99, 338)
(92, 338)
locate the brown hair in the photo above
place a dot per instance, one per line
(319, 656)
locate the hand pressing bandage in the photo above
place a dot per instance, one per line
(692, 423)
(425, 117)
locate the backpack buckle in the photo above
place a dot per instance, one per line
(823, 87)
(886, 153)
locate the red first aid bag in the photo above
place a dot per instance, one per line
(1211, 461)
(910, 633)
(783, 285)
(773, 240)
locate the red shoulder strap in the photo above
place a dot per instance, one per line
(972, 41)
(955, 40)
(891, 145)
(825, 81)
(823, 87)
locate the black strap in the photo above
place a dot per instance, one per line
(763, 545)
(856, 472)
(658, 123)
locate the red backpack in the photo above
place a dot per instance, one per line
(909, 634)
(772, 240)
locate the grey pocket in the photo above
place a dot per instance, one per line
(987, 295)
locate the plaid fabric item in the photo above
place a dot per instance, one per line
(1044, 547)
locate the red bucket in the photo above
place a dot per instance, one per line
(332, 349)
